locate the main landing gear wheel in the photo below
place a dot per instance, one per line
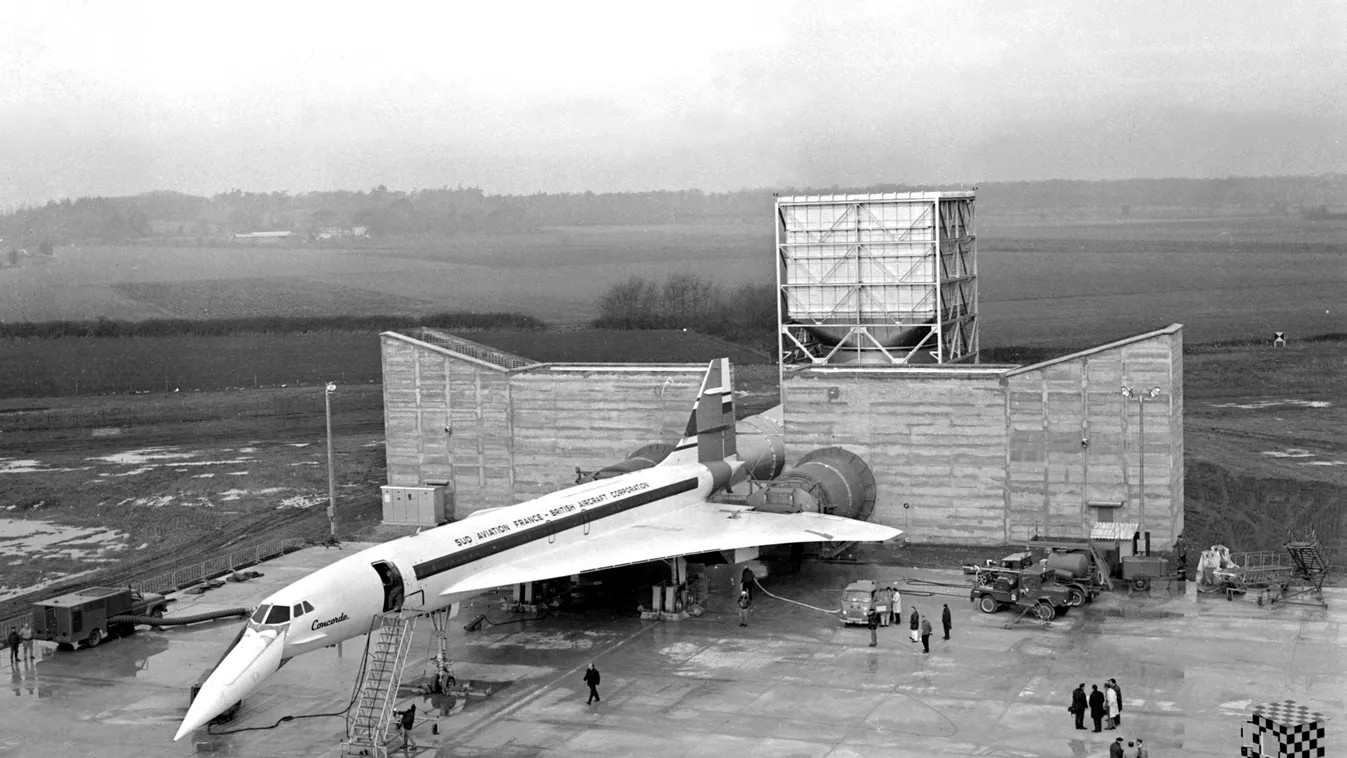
(1045, 611)
(987, 604)
(95, 638)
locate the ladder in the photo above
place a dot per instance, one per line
(368, 723)
(1101, 566)
(1309, 566)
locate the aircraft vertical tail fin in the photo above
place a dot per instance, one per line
(710, 429)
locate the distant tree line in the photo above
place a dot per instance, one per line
(746, 313)
(268, 325)
(383, 212)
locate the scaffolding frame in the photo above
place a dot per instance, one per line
(875, 264)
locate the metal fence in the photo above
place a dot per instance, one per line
(189, 575)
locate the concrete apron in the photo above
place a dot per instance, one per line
(794, 682)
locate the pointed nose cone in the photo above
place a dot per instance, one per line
(256, 657)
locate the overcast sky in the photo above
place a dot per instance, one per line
(122, 97)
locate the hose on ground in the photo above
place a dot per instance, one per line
(929, 583)
(179, 620)
(796, 602)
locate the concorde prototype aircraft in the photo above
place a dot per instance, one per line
(646, 515)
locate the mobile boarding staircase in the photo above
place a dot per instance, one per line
(369, 722)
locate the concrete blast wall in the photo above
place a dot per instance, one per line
(498, 436)
(993, 455)
(979, 454)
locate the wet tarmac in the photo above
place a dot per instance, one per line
(795, 682)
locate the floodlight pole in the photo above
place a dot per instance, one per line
(331, 472)
(1141, 397)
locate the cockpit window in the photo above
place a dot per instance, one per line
(261, 613)
(298, 610)
(308, 608)
(279, 614)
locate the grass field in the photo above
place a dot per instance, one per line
(102, 365)
(1062, 281)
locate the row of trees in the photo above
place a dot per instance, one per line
(104, 327)
(468, 209)
(746, 313)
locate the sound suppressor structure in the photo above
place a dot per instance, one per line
(877, 279)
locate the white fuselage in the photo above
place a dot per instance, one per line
(347, 595)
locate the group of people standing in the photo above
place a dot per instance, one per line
(1105, 709)
(921, 627)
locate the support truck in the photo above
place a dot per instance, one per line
(89, 616)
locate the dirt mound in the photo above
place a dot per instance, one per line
(1248, 513)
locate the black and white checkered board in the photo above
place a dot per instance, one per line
(1286, 713)
(1297, 730)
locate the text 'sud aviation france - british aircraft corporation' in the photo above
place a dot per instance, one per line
(647, 515)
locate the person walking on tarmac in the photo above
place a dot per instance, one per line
(1079, 705)
(1097, 707)
(12, 640)
(945, 620)
(745, 605)
(915, 621)
(592, 679)
(926, 635)
(872, 621)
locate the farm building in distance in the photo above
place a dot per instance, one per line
(961, 453)
(266, 238)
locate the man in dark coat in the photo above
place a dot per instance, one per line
(1079, 705)
(1115, 749)
(592, 679)
(945, 620)
(872, 621)
(406, 720)
(926, 635)
(1117, 691)
(915, 622)
(12, 640)
(1097, 707)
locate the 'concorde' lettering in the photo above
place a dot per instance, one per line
(315, 626)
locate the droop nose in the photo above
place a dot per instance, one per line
(256, 657)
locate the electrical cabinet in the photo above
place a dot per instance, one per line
(416, 506)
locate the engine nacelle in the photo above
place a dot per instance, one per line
(643, 458)
(830, 480)
(761, 444)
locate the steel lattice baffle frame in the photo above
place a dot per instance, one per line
(881, 279)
